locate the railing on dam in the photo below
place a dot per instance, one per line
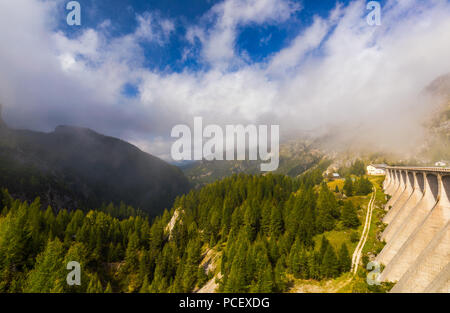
(420, 169)
(400, 177)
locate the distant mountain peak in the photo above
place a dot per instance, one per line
(79, 166)
(74, 130)
(440, 86)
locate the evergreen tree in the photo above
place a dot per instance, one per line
(363, 186)
(95, 285)
(191, 265)
(49, 269)
(202, 278)
(294, 258)
(304, 265)
(314, 262)
(349, 215)
(330, 264)
(345, 261)
(348, 186)
(280, 281)
(131, 254)
(109, 288)
(323, 247)
(79, 253)
(326, 205)
(145, 286)
(276, 223)
(266, 218)
(265, 283)
(358, 168)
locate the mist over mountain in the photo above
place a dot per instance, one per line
(436, 147)
(72, 167)
(296, 156)
(331, 73)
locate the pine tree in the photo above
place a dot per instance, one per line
(345, 261)
(236, 280)
(323, 247)
(276, 223)
(348, 186)
(202, 278)
(144, 268)
(326, 205)
(330, 264)
(251, 221)
(357, 168)
(280, 281)
(49, 269)
(266, 218)
(145, 286)
(265, 283)
(294, 259)
(314, 265)
(363, 186)
(109, 288)
(191, 265)
(304, 265)
(349, 215)
(15, 244)
(78, 252)
(95, 285)
(131, 254)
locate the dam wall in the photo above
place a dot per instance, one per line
(417, 250)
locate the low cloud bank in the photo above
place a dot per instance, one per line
(337, 75)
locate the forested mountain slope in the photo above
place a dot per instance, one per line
(75, 167)
(261, 227)
(296, 157)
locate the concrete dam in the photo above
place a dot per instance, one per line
(417, 250)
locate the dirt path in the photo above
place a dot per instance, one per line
(365, 233)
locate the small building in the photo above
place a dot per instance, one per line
(440, 163)
(376, 169)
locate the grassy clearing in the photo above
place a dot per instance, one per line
(343, 235)
(373, 246)
(324, 286)
(337, 182)
(337, 238)
(347, 283)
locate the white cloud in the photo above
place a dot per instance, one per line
(291, 56)
(337, 72)
(218, 42)
(152, 28)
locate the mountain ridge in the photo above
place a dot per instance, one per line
(97, 168)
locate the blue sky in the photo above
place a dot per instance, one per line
(256, 40)
(135, 69)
